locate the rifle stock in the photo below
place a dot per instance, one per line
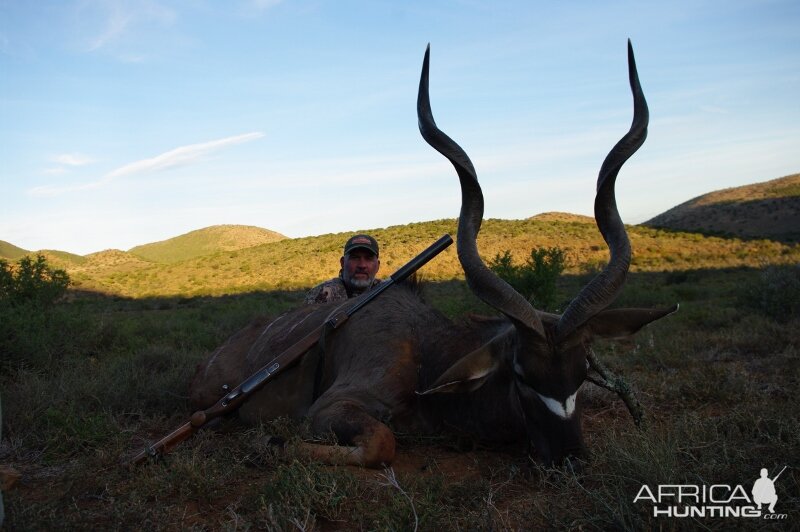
(233, 399)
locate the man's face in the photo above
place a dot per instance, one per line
(359, 268)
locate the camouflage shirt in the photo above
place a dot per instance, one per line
(332, 290)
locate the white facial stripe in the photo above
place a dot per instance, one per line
(563, 410)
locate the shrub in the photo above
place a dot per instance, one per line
(32, 281)
(30, 329)
(537, 278)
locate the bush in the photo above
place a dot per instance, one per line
(32, 281)
(537, 278)
(31, 330)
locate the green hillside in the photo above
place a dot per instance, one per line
(10, 251)
(302, 262)
(58, 259)
(62, 259)
(763, 210)
(205, 242)
(102, 268)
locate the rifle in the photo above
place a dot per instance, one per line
(233, 399)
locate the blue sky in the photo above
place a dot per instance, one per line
(127, 122)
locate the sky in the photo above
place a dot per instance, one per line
(133, 121)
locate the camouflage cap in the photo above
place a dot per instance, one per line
(361, 241)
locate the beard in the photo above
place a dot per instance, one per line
(360, 284)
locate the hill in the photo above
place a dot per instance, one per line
(562, 217)
(299, 263)
(58, 259)
(9, 251)
(61, 259)
(763, 210)
(205, 242)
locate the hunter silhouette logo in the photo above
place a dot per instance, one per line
(764, 490)
(716, 500)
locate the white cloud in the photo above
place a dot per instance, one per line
(180, 156)
(73, 159)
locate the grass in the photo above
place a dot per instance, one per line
(97, 377)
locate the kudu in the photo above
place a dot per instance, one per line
(512, 378)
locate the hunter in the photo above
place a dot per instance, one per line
(359, 265)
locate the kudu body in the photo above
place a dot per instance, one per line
(401, 363)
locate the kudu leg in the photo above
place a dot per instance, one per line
(364, 440)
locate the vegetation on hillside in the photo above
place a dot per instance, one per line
(300, 263)
(762, 210)
(9, 251)
(205, 241)
(63, 259)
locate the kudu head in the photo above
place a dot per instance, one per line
(545, 354)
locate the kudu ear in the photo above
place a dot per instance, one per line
(622, 322)
(472, 370)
